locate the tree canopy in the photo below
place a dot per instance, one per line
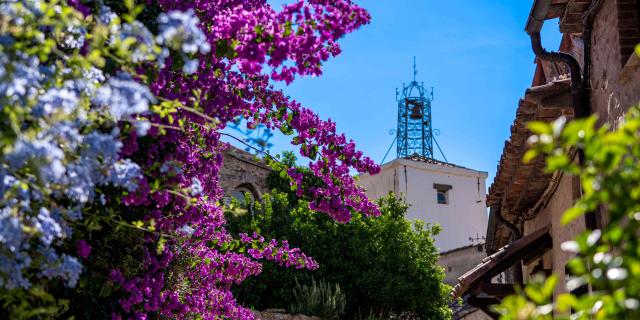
(383, 264)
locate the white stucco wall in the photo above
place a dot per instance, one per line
(464, 216)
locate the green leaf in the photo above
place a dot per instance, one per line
(565, 301)
(572, 214)
(557, 161)
(129, 4)
(539, 127)
(534, 294)
(549, 286)
(161, 245)
(530, 155)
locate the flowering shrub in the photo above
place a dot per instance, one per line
(110, 149)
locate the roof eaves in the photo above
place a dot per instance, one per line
(540, 103)
(537, 16)
(503, 259)
(440, 163)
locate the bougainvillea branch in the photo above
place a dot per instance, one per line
(111, 147)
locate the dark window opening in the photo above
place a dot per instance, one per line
(241, 195)
(442, 197)
(245, 194)
(442, 192)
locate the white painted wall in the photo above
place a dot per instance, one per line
(464, 216)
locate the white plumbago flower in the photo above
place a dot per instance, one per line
(41, 150)
(196, 187)
(65, 267)
(74, 37)
(179, 30)
(142, 127)
(56, 100)
(103, 145)
(190, 66)
(86, 85)
(93, 74)
(143, 47)
(11, 232)
(80, 180)
(186, 230)
(106, 17)
(20, 77)
(12, 266)
(48, 227)
(123, 96)
(125, 173)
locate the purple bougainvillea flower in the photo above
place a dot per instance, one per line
(83, 249)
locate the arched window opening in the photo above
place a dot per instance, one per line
(241, 192)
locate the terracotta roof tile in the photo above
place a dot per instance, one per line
(517, 185)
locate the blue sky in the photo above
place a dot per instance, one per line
(473, 52)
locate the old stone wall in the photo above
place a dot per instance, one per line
(280, 315)
(615, 87)
(562, 199)
(457, 262)
(242, 171)
(615, 80)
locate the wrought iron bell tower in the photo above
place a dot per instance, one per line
(414, 133)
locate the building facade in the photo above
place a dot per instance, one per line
(595, 73)
(445, 194)
(438, 192)
(458, 261)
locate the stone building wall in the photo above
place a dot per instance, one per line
(242, 171)
(615, 87)
(615, 80)
(458, 261)
(556, 259)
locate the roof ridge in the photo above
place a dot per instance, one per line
(434, 161)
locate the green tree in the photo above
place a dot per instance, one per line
(383, 264)
(607, 260)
